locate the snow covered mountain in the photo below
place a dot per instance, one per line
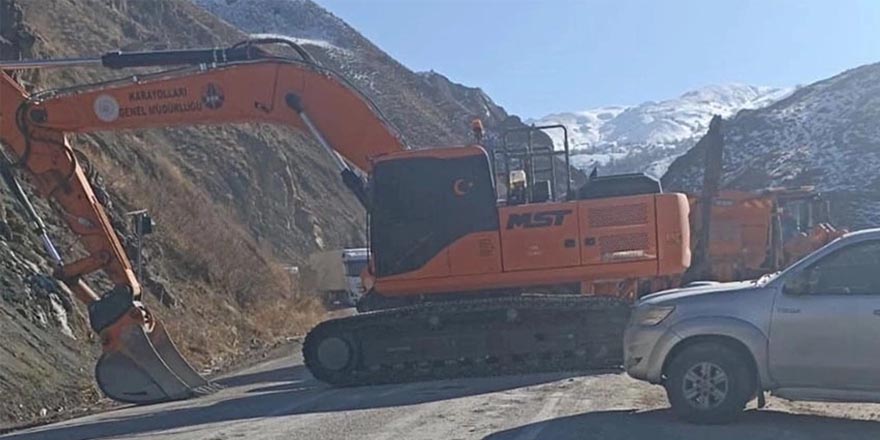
(649, 136)
(825, 134)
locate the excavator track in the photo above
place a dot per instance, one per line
(469, 338)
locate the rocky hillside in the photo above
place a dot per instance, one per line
(233, 204)
(825, 134)
(428, 109)
(649, 136)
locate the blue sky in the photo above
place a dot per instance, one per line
(539, 57)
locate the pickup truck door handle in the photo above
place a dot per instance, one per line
(877, 312)
(790, 310)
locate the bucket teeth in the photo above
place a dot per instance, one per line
(141, 365)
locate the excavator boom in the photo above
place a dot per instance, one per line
(268, 91)
(216, 86)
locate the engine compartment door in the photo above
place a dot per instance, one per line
(539, 236)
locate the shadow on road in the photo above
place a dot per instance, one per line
(284, 391)
(662, 425)
(284, 374)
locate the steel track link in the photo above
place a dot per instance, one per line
(468, 338)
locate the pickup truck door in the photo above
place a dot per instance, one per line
(826, 321)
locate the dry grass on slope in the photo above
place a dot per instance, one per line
(232, 292)
(222, 236)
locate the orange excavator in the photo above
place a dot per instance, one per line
(758, 232)
(459, 282)
(751, 233)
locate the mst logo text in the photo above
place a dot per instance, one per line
(537, 219)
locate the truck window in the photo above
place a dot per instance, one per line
(853, 270)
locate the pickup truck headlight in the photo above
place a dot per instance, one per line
(653, 315)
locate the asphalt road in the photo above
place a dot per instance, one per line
(280, 400)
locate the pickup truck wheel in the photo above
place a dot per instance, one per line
(709, 383)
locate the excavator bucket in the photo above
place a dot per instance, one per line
(141, 365)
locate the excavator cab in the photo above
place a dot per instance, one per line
(423, 201)
(802, 209)
(527, 167)
(801, 223)
(530, 170)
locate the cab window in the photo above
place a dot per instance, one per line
(852, 270)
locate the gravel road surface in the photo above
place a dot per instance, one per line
(278, 399)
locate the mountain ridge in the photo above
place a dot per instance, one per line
(648, 136)
(825, 135)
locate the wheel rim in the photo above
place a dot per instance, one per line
(334, 353)
(705, 386)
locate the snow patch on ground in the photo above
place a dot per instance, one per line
(324, 44)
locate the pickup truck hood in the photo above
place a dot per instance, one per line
(687, 292)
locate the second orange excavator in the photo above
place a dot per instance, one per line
(758, 232)
(751, 233)
(461, 282)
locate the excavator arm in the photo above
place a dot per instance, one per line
(215, 86)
